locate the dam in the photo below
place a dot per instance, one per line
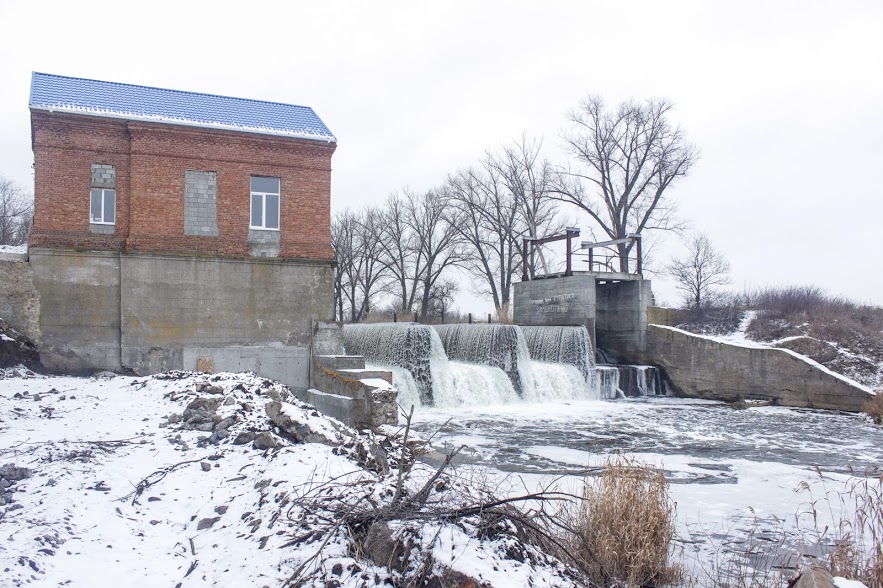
(482, 364)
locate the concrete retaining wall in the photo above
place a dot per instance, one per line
(699, 367)
(669, 317)
(154, 312)
(172, 303)
(19, 300)
(358, 397)
(79, 309)
(621, 316)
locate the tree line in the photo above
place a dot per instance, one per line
(16, 213)
(620, 163)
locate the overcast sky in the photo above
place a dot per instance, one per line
(784, 99)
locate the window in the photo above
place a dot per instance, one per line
(264, 203)
(103, 206)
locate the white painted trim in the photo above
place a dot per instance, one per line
(102, 222)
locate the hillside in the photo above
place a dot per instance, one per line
(844, 336)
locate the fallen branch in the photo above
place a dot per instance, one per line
(155, 478)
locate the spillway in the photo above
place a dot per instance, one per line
(479, 364)
(499, 346)
(414, 348)
(561, 344)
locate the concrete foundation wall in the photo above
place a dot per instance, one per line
(172, 303)
(79, 309)
(154, 312)
(621, 317)
(703, 368)
(289, 365)
(19, 300)
(556, 301)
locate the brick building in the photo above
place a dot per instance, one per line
(174, 226)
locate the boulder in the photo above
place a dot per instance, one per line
(298, 425)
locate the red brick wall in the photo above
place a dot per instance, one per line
(150, 161)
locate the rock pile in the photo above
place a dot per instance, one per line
(9, 475)
(16, 350)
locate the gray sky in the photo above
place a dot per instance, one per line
(784, 99)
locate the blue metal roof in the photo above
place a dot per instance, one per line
(130, 102)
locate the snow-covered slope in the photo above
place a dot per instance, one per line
(183, 480)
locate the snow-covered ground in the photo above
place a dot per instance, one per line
(117, 490)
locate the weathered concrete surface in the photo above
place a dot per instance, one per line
(556, 301)
(288, 364)
(172, 303)
(19, 300)
(151, 313)
(361, 398)
(700, 367)
(658, 315)
(621, 316)
(327, 338)
(79, 309)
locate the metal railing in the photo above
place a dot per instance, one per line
(603, 256)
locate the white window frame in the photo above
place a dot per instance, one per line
(263, 196)
(103, 220)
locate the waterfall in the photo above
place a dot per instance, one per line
(416, 348)
(561, 344)
(499, 346)
(605, 379)
(456, 365)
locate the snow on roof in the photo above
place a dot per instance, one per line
(114, 100)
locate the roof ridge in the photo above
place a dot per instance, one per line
(39, 73)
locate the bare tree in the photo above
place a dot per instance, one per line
(441, 299)
(441, 248)
(700, 273)
(360, 269)
(417, 246)
(401, 254)
(16, 213)
(624, 162)
(487, 218)
(507, 197)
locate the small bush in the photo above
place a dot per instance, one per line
(874, 408)
(623, 528)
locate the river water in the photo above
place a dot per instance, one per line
(733, 472)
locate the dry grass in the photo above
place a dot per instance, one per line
(859, 544)
(874, 408)
(623, 528)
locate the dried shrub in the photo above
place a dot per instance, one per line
(874, 408)
(858, 551)
(623, 528)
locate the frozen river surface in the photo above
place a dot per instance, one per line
(556, 438)
(733, 472)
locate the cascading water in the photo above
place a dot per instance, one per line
(402, 345)
(455, 365)
(605, 379)
(640, 380)
(499, 346)
(561, 344)
(421, 370)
